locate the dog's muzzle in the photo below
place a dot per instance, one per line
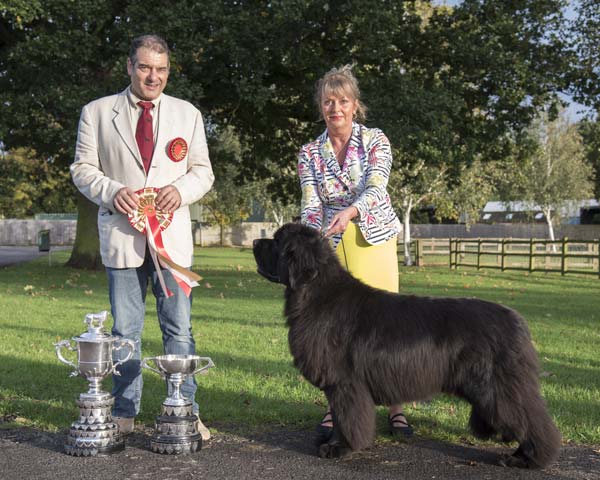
(268, 276)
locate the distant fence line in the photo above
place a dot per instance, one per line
(62, 232)
(532, 255)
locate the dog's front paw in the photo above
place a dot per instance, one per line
(333, 450)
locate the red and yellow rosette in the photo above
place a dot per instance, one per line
(177, 149)
(149, 220)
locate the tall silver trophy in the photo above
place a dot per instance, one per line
(94, 433)
(176, 430)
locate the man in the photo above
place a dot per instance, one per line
(135, 139)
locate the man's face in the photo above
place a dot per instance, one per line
(150, 73)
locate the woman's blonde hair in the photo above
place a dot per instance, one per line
(340, 81)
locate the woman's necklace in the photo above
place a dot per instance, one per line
(341, 150)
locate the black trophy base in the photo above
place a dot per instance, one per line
(176, 434)
(176, 445)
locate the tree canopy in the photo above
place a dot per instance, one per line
(447, 85)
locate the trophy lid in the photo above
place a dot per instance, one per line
(95, 331)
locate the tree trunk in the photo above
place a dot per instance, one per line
(406, 233)
(548, 216)
(86, 250)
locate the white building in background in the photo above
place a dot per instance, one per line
(578, 212)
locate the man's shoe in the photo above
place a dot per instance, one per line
(126, 425)
(202, 430)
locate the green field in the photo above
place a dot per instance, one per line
(237, 318)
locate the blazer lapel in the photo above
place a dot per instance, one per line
(123, 126)
(327, 153)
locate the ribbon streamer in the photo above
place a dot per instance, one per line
(151, 221)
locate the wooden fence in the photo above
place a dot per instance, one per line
(532, 255)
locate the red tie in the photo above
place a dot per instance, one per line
(144, 134)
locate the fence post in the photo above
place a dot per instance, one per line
(418, 249)
(450, 254)
(563, 257)
(531, 252)
(478, 253)
(503, 253)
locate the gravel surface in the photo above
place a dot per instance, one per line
(32, 454)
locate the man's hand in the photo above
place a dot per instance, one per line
(168, 199)
(126, 201)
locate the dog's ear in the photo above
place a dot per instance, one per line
(299, 263)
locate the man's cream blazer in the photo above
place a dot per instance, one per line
(107, 159)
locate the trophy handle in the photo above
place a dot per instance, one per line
(66, 344)
(145, 365)
(118, 345)
(209, 364)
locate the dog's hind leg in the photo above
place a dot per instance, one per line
(353, 412)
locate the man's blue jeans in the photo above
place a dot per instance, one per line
(127, 293)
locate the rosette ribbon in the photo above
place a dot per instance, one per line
(147, 219)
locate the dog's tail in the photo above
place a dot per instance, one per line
(541, 444)
(523, 415)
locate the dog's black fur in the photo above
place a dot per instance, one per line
(365, 347)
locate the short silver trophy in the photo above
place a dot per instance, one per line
(176, 430)
(95, 433)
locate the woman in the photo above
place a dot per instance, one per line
(343, 176)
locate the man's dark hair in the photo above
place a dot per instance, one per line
(153, 42)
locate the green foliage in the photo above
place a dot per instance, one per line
(473, 189)
(229, 201)
(446, 85)
(557, 171)
(585, 30)
(238, 322)
(29, 185)
(590, 132)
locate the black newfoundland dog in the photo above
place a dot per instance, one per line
(365, 347)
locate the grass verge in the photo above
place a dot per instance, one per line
(237, 318)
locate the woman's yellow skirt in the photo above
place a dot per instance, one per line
(375, 265)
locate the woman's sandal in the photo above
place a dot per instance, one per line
(403, 429)
(325, 428)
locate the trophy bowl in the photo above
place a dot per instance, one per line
(183, 364)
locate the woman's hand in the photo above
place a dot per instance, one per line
(340, 220)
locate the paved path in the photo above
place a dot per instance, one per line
(12, 255)
(276, 455)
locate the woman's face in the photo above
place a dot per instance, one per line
(338, 110)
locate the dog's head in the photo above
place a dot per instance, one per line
(295, 256)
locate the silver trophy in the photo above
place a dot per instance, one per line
(95, 432)
(176, 430)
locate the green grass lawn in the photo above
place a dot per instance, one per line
(237, 318)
